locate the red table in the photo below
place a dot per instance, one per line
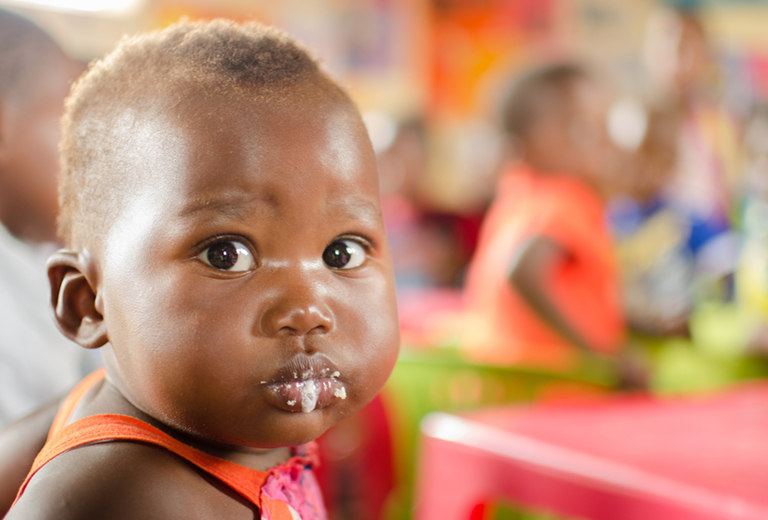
(618, 458)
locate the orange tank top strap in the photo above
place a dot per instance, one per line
(271, 491)
(245, 481)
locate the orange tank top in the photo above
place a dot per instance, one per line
(285, 492)
(585, 287)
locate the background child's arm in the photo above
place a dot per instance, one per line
(19, 444)
(529, 273)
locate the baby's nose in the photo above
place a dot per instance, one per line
(298, 305)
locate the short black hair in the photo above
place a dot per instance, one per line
(535, 90)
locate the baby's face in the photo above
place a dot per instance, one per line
(247, 289)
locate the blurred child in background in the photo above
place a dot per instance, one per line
(431, 245)
(678, 230)
(651, 239)
(684, 85)
(426, 243)
(543, 289)
(36, 363)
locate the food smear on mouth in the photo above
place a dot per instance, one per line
(309, 393)
(306, 395)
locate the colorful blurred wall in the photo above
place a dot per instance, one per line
(442, 59)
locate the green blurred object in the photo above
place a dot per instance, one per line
(721, 329)
(715, 356)
(441, 379)
(504, 511)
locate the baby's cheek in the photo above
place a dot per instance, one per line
(373, 328)
(382, 356)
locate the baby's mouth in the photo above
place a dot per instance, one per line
(306, 385)
(308, 395)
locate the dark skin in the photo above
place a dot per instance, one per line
(283, 184)
(528, 274)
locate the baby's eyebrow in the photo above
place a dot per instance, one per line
(233, 206)
(359, 209)
(240, 206)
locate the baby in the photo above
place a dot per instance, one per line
(226, 252)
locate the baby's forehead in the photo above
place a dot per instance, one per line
(238, 123)
(204, 174)
(183, 104)
(151, 137)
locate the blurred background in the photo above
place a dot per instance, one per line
(439, 61)
(436, 66)
(428, 76)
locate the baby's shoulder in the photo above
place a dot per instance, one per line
(125, 480)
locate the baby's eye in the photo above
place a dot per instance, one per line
(228, 255)
(344, 254)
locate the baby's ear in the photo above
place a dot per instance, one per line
(75, 299)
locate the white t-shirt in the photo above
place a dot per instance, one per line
(37, 363)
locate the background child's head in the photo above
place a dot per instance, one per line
(680, 63)
(555, 119)
(35, 75)
(220, 199)
(756, 152)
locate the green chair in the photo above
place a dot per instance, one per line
(440, 379)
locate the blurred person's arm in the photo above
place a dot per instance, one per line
(529, 272)
(20, 442)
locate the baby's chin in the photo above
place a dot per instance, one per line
(295, 429)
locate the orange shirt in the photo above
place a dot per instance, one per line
(286, 487)
(585, 287)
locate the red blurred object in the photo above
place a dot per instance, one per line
(420, 309)
(629, 458)
(356, 472)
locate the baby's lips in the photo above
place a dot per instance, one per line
(306, 395)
